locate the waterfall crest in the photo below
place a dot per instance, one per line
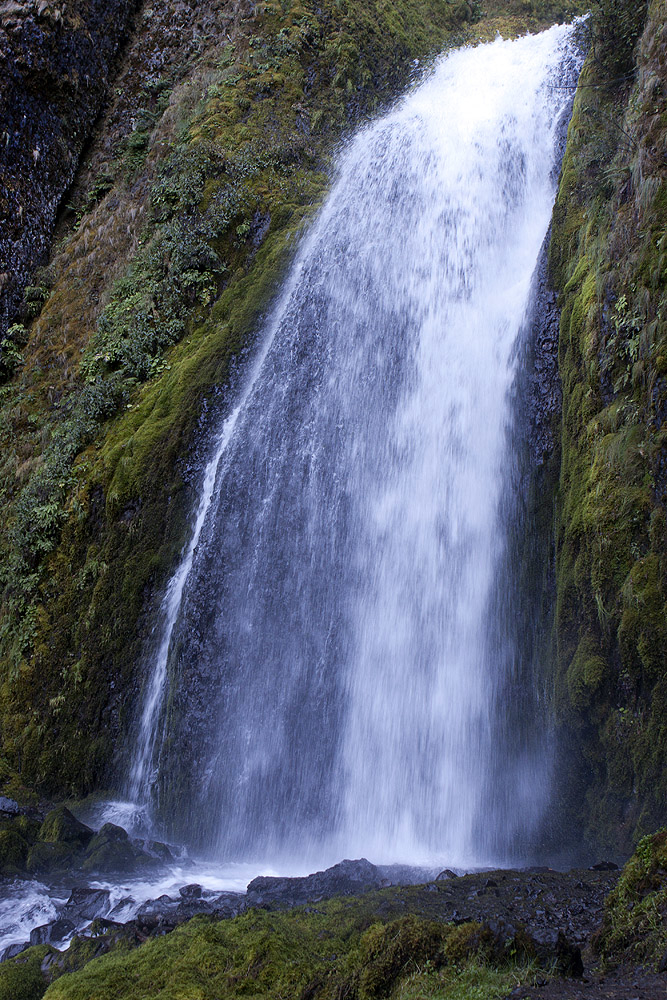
(326, 683)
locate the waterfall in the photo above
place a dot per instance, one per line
(328, 679)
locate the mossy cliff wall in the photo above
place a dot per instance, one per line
(213, 149)
(609, 261)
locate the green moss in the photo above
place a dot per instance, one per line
(634, 926)
(341, 949)
(21, 977)
(610, 615)
(60, 826)
(13, 852)
(586, 672)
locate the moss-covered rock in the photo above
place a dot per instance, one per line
(60, 826)
(606, 258)
(634, 927)
(112, 850)
(45, 858)
(21, 978)
(14, 851)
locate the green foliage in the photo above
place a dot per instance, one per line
(616, 27)
(634, 926)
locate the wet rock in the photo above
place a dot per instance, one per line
(54, 70)
(155, 849)
(8, 807)
(86, 904)
(348, 878)
(112, 850)
(157, 915)
(120, 906)
(604, 866)
(190, 908)
(229, 904)
(12, 950)
(447, 873)
(60, 826)
(57, 930)
(192, 891)
(46, 857)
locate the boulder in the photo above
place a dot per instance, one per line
(61, 827)
(57, 930)
(158, 915)
(228, 905)
(8, 807)
(112, 850)
(192, 891)
(86, 904)
(189, 908)
(348, 878)
(120, 906)
(12, 950)
(45, 857)
(156, 849)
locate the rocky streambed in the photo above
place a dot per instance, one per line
(556, 912)
(98, 884)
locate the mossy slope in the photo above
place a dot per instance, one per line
(339, 950)
(634, 928)
(608, 260)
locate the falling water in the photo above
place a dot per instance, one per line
(325, 682)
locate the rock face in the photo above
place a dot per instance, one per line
(55, 60)
(348, 878)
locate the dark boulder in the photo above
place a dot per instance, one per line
(86, 903)
(348, 878)
(46, 857)
(61, 827)
(189, 908)
(192, 891)
(8, 807)
(156, 850)
(112, 850)
(157, 915)
(228, 905)
(57, 930)
(12, 950)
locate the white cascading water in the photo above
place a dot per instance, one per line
(325, 683)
